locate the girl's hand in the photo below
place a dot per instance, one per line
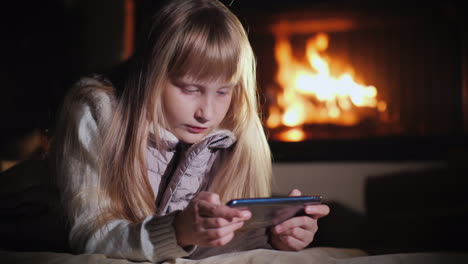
(298, 232)
(206, 222)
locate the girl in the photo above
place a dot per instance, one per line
(144, 173)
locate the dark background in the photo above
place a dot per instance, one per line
(47, 45)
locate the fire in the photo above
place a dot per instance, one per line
(292, 135)
(311, 95)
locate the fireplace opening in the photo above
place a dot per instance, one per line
(374, 83)
(311, 96)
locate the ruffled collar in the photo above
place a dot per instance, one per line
(220, 138)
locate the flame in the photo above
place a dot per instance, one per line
(292, 135)
(311, 95)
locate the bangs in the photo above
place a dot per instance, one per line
(206, 50)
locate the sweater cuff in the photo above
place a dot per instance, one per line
(162, 236)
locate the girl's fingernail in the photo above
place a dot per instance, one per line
(246, 214)
(278, 229)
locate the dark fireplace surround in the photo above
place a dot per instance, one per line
(415, 55)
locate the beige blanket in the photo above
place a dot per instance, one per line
(311, 255)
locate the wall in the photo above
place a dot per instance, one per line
(341, 182)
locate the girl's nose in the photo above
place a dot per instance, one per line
(205, 111)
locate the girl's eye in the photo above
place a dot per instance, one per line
(190, 89)
(223, 92)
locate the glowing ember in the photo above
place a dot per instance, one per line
(311, 95)
(292, 135)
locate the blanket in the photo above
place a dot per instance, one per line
(320, 255)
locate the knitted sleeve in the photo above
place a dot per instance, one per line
(77, 147)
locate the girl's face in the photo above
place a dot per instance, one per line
(194, 108)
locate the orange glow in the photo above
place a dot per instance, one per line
(292, 135)
(311, 95)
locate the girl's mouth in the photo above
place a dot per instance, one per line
(195, 129)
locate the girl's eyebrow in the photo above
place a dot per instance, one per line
(229, 86)
(179, 82)
(201, 84)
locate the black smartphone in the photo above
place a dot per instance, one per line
(267, 212)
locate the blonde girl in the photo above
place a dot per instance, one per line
(144, 173)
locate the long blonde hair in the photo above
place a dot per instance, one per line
(201, 39)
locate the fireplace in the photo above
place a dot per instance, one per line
(341, 82)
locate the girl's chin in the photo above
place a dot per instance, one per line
(190, 138)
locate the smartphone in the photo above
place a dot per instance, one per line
(267, 212)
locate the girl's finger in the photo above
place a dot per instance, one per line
(304, 222)
(217, 222)
(291, 243)
(317, 211)
(209, 197)
(303, 235)
(218, 233)
(221, 241)
(206, 209)
(294, 192)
